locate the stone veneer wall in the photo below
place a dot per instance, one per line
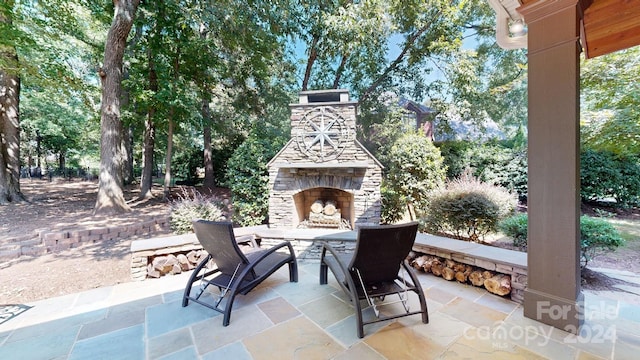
(309, 249)
(363, 184)
(355, 171)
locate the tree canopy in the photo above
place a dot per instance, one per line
(202, 76)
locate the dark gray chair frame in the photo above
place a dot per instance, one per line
(380, 253)
(235, 272)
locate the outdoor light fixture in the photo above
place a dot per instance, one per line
(517, 28)
(511, 32)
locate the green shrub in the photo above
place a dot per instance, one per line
(516, 228)
(468, 208)
(193, 205)
(597, 236)
(491, 162)
(185, 164)
(248, 178)
(393, 208)
(604, 174)
(415, 168)
(455, 154)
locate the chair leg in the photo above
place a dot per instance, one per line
(359, 323)
(323, 273)
(293, 271)
(419, 292)
(227, 309)
(192, 279)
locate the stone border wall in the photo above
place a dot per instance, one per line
(307, 245)
(508, 262)
(144, 250)
(49, 241)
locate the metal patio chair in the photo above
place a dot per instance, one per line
(376, 269)
(234, 272)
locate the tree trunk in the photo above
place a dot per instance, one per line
(110, 198)
(209, 174)
(4, 183)
(62, 160)
(313, 54)
(171, 118)
(167, 171)
(146, 180)
(9, 122)
(38, 150)
(340, 70)
(127, 149)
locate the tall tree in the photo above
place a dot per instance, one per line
(611, 98)
(110, 188)
(9, 114)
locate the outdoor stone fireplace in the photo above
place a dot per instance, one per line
(323, 177)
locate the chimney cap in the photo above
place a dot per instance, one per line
(323, 96)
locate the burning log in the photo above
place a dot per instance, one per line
(499, 284)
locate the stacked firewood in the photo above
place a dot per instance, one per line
(448, 269)
(174, 263)
(325, 213)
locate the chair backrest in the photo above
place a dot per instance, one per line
(381, 249)
(218, 239)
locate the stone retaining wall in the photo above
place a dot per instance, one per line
(49, 241)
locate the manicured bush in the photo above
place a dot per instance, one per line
(604, 174)
(467, 208)
(597, 236)
(191, 205)
(516, 228)
(415, 168)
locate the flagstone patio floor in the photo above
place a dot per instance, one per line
(304, 320)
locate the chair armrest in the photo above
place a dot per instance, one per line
(326, 247)
(267, 252)
(247, 239)
(334, 253)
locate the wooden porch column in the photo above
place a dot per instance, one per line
(553, 294)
